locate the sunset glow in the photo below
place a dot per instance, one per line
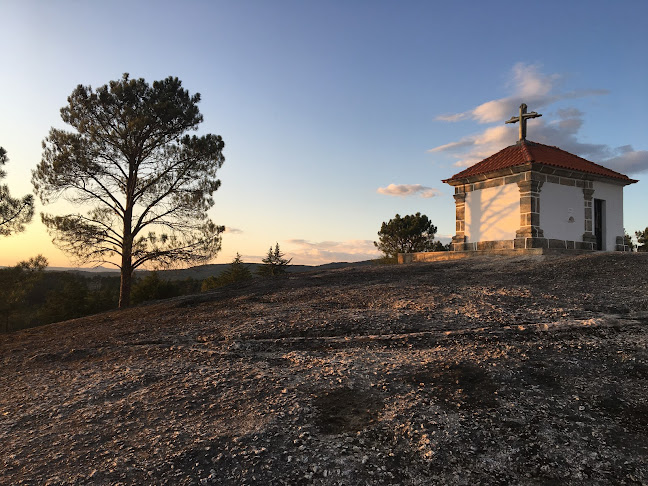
(336, 115)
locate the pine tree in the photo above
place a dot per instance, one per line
(145, 184)
(14, 212)
(236, 272)
(273, 264)
(409, 234)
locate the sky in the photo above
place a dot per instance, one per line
(337, 115)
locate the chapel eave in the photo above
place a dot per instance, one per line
(526, 155)
(540, 169)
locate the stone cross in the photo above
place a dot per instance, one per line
(522, 118)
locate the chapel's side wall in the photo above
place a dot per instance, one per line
(612, 194)
(477, 201)
(562, 212)
(492, 214)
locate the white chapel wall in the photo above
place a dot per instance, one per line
(492, 214)
(562, 212)
(612, 194)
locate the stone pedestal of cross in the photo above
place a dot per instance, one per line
(522, 118)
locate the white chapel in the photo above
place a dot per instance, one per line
(533, 196)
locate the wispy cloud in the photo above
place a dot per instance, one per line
(559, 128)
(453, 118)
(630, 161)
(307, 252)
(404, 190)
(530, 86)
(233, 231)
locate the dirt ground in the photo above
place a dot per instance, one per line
(528, 370)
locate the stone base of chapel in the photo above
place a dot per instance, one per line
(522, 243)
(516, 247)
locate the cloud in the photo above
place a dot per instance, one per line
(630, 161)
(464, 142)
(559, 128)
(305, 252)
(404, 190)
(234, 231)
(530, 86)
(453, 118)
(479, 146)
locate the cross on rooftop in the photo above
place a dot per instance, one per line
(522, 118)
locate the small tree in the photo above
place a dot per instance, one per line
(408, 234)
(274, 263)
(145, 183)
(14, 212)
(236, 272)
(642, 240)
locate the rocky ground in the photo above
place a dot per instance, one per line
(528, 370)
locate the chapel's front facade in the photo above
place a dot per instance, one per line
(531, 195)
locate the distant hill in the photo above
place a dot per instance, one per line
(202, 272)
(96, 270)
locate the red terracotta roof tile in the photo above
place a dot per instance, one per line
(526, 152)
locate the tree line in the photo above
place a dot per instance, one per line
(33, 296)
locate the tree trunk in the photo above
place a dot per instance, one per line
(125, 286)
(126, 263)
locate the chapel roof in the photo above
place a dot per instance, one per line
(526, 152)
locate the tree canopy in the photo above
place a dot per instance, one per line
(14, 212)
(274, 263)
(408, 234)
(144, 183)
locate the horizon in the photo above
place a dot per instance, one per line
(337, 116)
(102, 269)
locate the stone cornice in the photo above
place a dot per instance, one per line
(538, 168)
(491, 175)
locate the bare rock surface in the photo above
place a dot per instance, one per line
(529, 370)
